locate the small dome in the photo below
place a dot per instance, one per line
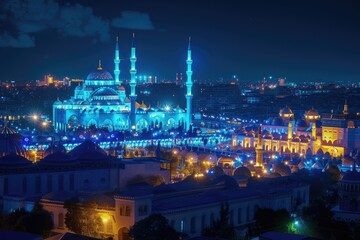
(58, 102)
(286, 110)
(99, 74)
(312, 114)
(216, 171)
(121, 88)
(10, 142)
(281, 169)
(242, 171)
(227, 160)
(105, 92)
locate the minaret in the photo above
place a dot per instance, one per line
(117, 63)
(290, 130)
(259, 149)
(99, 67)
(188, 86)
(345, 111)
(133, 82)
(313, 130)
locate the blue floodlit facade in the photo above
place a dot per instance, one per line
(101, 101)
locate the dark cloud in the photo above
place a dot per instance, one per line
(133, 20)
(31, 16)
(22, 40)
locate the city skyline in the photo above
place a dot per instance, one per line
(300, 41)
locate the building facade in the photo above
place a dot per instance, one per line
(334, 134)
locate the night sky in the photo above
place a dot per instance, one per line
(299, 40)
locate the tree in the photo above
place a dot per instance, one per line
(38, 221)
(270, 220)
(221, 228)
(154, 227)
(82, 218)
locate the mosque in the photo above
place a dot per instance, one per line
(101, 101)
(332, 134)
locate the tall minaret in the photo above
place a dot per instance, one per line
(259, 149)
(133, 82)
(313, 130)
(346, 110)
(117, 63)
(290, 134)
(188, 86)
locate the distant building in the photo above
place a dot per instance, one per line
(348, 209)
(101, 101)
(335, 134)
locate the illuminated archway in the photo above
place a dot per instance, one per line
(73, 121)
(120, 124)
(171, 123)
(107, 123)
(141, 124)
(91, 122)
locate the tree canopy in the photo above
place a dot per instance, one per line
(221, 228)
(154, 227)
(82, 218)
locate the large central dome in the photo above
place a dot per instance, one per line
(99, 75)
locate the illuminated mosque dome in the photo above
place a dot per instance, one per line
(105, 93)
(286, 113)
(312, 114)
(286, 110)
(99, 74)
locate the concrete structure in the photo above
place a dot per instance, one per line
(87, 168)
(190, 205)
